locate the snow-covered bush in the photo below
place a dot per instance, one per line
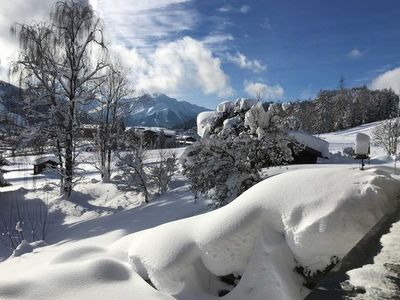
(161, 172)
(236, 143)
(387, 135)
(132, 164)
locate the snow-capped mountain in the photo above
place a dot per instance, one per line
(161, 110)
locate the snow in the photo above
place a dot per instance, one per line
(46, 158)
(225, 107)
(104, 243)
(325, 218)
(377, 279)
(245, 103)
(362, 144)
(202, 121)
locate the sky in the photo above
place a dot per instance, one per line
(206, 51)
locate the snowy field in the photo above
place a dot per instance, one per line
(105, 243)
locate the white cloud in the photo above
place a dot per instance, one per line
(176, 67)
(146, 23)
(244, 9)
(355, 53)
(243, 62)
(20, 11)
(267, 92)
(144, 34)
(226, 8)
(388, 80)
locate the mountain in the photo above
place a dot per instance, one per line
(11, 106)
(161, 110)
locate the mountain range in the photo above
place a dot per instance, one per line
(161, 110)
(147, 110)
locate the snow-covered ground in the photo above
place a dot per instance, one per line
(105, 244)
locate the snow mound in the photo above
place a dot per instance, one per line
(26, 247)
(304, 217)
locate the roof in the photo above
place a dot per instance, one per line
(47, 158)
(311, 141)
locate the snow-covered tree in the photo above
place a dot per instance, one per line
(162, 171)
(111, 110)
(133, 165)
(237, 142)
(57, 62)
(387, 135)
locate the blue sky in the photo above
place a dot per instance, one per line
(205, 51)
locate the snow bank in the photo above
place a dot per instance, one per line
(305, 217)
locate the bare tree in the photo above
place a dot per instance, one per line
(57, 60)
(112, 109)
(387, 135)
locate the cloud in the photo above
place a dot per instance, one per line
(177, 67)
(20, 11)
(265, 91)
(388, 80)
(266, 24)
(355, 54)
(243, 62)
(147, 36)
(146, 23)
(226, 8)
(244, 9)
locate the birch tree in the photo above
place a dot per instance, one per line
(57, 61)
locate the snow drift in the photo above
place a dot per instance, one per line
(300, 218)
(305, 217)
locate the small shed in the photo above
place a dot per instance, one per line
(44, 163)
(313, 148)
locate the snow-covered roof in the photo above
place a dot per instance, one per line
(311, 141)
(46, 158)
(154, 129)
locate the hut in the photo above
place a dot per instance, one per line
(313, 148)
(44, 163)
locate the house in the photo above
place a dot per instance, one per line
(155, 137)
(313, 147)
(44, 163)
(184, 140)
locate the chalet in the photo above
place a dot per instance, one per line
(156, 137)
(44, 163)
